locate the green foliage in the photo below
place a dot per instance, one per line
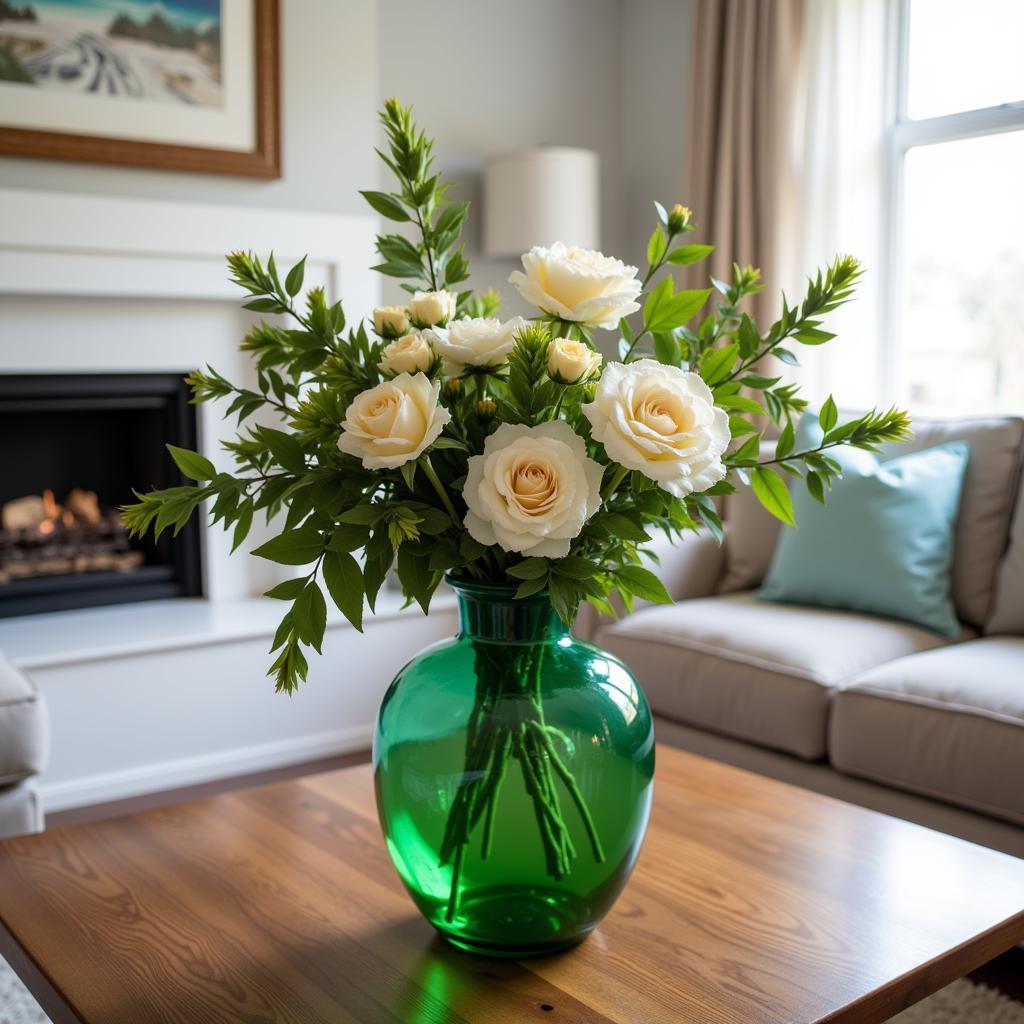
(435, 261)
(531, 392)
(346, 528)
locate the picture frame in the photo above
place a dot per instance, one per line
(124, 89)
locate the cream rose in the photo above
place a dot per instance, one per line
(661, 421)
(578, 284)
(571, 361)
(393, 422)
(391, 321)
(532, 489)
(475, 342)
(429, 308)
(408, 354)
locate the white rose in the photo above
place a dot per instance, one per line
(475, 342)
(391, 321)
(661, 421)
(532, 489)
(409, 354)
(429, 308)
(571, 361)
(393, 422)
(578, 284)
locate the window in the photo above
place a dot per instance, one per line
(957, 190)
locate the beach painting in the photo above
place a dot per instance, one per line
(139, 51)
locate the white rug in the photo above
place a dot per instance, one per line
(959, 1003)
(16, 1005)
(962, 1003)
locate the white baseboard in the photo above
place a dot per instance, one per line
(190, 771)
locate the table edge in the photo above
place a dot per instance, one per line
(35, 979)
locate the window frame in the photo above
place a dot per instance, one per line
(901, 135)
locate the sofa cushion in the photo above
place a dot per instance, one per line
(763, 673)
(24, 727)
(985, 506)
(1008, 607)
(751, 534)
(990, 487)
(884, 544)
(948, 724)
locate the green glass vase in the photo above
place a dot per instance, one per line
(514, 768)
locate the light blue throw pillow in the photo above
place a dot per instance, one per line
(884, 543)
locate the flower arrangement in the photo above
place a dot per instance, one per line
(441, 439)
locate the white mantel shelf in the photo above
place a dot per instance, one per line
(163, 694)
(100, 634)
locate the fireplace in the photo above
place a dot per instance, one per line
(72, 447)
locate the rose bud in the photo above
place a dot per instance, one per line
(407, 354)
(679, 218)
(391, 321)
(571, 362)
(431, 309)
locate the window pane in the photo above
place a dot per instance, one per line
(964, 56)
(962, 322)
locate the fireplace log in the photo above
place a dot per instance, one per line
(24, 513)
(84, 505)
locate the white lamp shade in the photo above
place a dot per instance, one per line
(538, 197)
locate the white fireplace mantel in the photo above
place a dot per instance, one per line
(174, 693)
(61, 244)
(106, 284)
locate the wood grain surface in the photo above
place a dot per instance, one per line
(752, 901)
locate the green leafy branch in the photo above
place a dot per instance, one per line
(819, 470)
(436, 261)
(665, 310)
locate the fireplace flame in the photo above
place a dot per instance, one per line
(50, 507)
(42, 513)
(40, 536)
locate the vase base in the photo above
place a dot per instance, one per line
(512, 952)
(515, 923)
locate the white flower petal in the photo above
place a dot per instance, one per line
(578, 285)
(533, 486)
(661, 421)
(394, 422)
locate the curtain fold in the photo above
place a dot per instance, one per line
(746, 60)
(842, 114)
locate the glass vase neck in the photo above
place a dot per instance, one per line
(489, 612)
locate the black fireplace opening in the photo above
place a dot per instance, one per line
(72, 448)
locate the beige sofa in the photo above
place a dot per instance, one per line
(24, 746)
(873, 711)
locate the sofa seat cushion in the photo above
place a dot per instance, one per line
(760, 672)
(948, 724)
(24, 726)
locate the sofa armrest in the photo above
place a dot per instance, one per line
(24, 726)
(688, 568)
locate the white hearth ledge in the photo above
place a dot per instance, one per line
(121, 631)
(164, 694)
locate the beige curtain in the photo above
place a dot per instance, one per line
(745, 64)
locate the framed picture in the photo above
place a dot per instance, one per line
(188, 85)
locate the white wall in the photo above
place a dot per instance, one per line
(609, 75)
(492, 76)
(655, 88)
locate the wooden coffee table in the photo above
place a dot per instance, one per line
(752, 901)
